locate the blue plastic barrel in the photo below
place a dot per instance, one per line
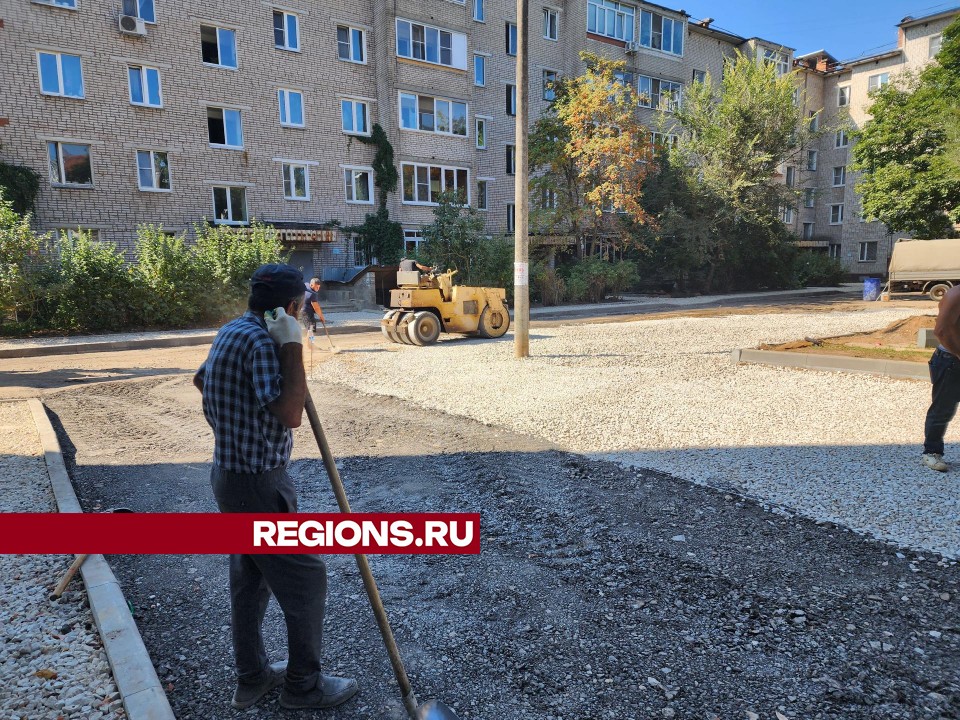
(871, 288)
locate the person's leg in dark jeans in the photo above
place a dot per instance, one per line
(945, 397)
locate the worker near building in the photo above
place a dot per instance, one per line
(945, 376)
(311, 312)
(409, 265)
(254, 388)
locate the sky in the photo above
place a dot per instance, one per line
(846, 29)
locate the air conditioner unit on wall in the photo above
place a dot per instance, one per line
(631, 47)
(132, 25)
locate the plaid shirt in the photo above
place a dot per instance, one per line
(241, 376)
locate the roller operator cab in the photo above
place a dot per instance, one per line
(424, 305)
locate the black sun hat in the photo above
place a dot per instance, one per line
(273, 280)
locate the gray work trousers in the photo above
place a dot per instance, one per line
(299, 582)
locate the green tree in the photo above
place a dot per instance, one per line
(453, 240)
(909, 151)
(20, 249)
(20, 186)
(380, 237)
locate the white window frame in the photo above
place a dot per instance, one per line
(288, 169)
(481, 137)
(60, 84)
(841, 140)
(479, 11)
(836, 214)
(842, 175)
(287, 15)
(864, 253)
(143, 71)
(62, 4)
(62, 182)
(809, 197)
(225, 144)
(510, 159)
(546, 90)
(812, 155)
(663, 33)
(779, 59)
(787, 215)
(511, 100)
(626, 13)
(790, 176)
(283, 104)
(435, 99)
(412, 235)
(229, 220)
(807, 231)
(551, 13)
(813, 120)
(486, 193)
(363, 44)
(877, 81)
(511, 39)
(153, 170)
(458, 44)
(935, 43)
(443, 188)
(843, 96)
(834, 250)
(675, 97)
(353, 170)
(511, 217)
(366, 116)
(138, 10)
(219, 63)
(482, 59)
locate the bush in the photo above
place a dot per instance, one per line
(230, 255)
(19, 252)
(169, 279)
(493, 264)
(547, 285)
(593, 279)
(818, 269)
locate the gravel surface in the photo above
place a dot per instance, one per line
(52, 663)
(602, 592)
(663, 395)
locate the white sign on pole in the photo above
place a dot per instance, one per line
(521, 275)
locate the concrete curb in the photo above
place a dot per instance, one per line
(140, 688)
(141, 344)
(832, 363)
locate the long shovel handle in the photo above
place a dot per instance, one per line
(328, 334)
(369, 584)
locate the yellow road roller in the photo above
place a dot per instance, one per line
(425, 304)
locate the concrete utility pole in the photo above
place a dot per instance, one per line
(521, 238)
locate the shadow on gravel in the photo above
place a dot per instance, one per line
(600, 592)
(77, 376)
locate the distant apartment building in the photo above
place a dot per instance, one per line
(150, 111)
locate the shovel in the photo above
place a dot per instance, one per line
(333, 348)
(433, 710)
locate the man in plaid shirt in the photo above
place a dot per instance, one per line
(254, 387)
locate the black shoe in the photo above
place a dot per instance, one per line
(330, 691)
(249, 694)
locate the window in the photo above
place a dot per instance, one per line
(218, 46)
(549, 78)
(868, 252)
(69, 163)
(610, 19)
(655, 93)
(479, 11)
(551, 24)
(296, 181)
(843, 96)
(808, 231)
(479, 70)
(153, 171)
(548, 199)
(60, 74)
(809, 197)
(780, 61)
(511, 99)
(422, 112)
(351, 44)
(411, 241)
(839, 176)
(229, 205)
(511, 38)
(73, 233)
(72, 4)
(787, 216)
(836, 214)
(935, 42)
(354, 116)
(797, 97)
(358, 183)
(811, 159)
(511, 167)
(422, 184)
(432, 45)
(790, 176)
(834, 250)
(663, 141)
(224, 127)
(699, 76)
(875, 82)
(841, 141)
(481, 133)
(144, 86)
(481, 194)
(291, 108)
(286, 31)
(661, 33)
(814, 121)
(511, 217)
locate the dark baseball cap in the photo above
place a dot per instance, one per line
(283, 280)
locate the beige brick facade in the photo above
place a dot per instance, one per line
(116, 129)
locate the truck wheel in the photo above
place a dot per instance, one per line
(386, 323)
(493, 323)
(937, 292)
(425, 328)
